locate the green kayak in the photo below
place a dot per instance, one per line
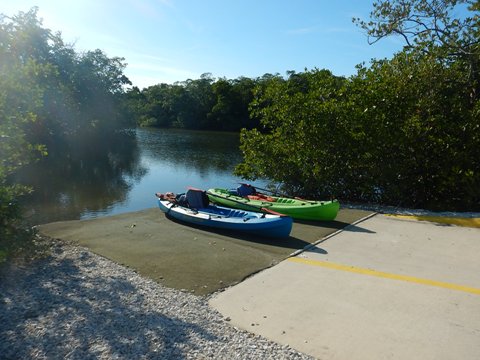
(295, 208)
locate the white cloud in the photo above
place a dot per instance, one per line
(144, 74)
(338, 30)
(305, 30)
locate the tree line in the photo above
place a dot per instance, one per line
(200, 104)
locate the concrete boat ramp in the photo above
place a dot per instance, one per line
(185, 257)
(366, 286)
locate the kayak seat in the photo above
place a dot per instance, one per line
(197, 199)
(261, 197)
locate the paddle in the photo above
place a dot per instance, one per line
(263, 209)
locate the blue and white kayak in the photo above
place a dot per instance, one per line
(268, 225)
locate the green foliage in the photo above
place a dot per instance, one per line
(402, 132)
(418, 131)
(51, 95)
(305, 137)
(439, 28)
(19, 98)
(78, 94)
(425, 24)
(203, 104)
(230, 111)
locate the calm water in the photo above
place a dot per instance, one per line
(126, 179)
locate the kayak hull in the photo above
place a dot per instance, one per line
(218, 217)
(295, 208)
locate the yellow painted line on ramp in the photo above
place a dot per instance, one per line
(411, 279)
(467, 222)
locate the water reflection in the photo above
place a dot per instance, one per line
(67, 184)
(203, 152)
(126, 171)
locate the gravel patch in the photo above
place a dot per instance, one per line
(77, 305)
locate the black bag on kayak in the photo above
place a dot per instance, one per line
(197, 199)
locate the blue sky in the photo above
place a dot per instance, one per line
(164, 41)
